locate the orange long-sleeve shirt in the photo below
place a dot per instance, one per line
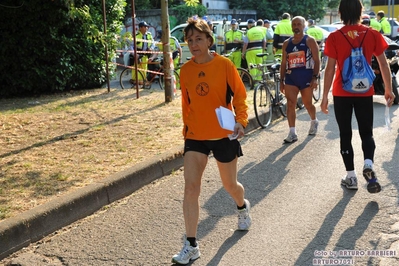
(206, 87)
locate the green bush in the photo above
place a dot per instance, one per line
(184, 12)
(48, 46)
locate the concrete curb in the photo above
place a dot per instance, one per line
(31, 226)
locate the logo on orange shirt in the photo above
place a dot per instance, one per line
(202, 89)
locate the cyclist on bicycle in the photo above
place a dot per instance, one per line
(144, 43)
(299, 72)
(234, 39)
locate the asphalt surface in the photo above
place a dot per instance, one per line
(300, 212)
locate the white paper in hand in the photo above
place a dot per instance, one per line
(226, 118)
(387, 118)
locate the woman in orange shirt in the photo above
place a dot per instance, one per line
(209, 81)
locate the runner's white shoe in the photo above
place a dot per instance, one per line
(313, 127)
(187, 254)
(244, 219)
(349, 182)
(291, 138)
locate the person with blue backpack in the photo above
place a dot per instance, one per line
(349, 52)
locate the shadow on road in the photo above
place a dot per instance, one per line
(226, 246)
(254, 179)
(348, 239)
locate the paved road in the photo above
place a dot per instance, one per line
(299, 209)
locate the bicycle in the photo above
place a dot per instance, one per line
(155, 75)
(317, 91)
(267, 94)
(244, 74)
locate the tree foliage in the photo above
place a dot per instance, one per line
(273, 9)
(192, 3)
(333, 3)
(149, 4)
(48, 46)
(184, 12)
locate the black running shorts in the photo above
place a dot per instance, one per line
(224, 150)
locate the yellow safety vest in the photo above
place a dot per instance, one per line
(232, 35)
(140, 36)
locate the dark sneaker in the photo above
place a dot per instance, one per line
(187, 254)
(349, 182)
(372, 183)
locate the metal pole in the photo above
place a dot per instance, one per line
(167, 55)
(106, 45)
(135, 48)
(392, 14)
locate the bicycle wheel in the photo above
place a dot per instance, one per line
(299, 103)
(126, 81)
(395, 90)
(263, 105)
(280, 98)
(283, 104)
(317, 91)
(246, 78)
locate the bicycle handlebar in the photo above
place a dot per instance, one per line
(232, 51)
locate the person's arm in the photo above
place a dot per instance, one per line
(185, 102)
(386, 77)
(328, 79)
(244, 47)
(152, 43)
(283, 66)
(239, 102)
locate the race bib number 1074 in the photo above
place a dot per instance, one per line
(296, 59)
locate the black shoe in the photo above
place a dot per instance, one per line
(372, 183)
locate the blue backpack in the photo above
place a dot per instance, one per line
(357, 74)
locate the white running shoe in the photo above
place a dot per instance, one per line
(313, 127)
(291, 138)
(349, 182)
(244, 219)
(187, 254)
